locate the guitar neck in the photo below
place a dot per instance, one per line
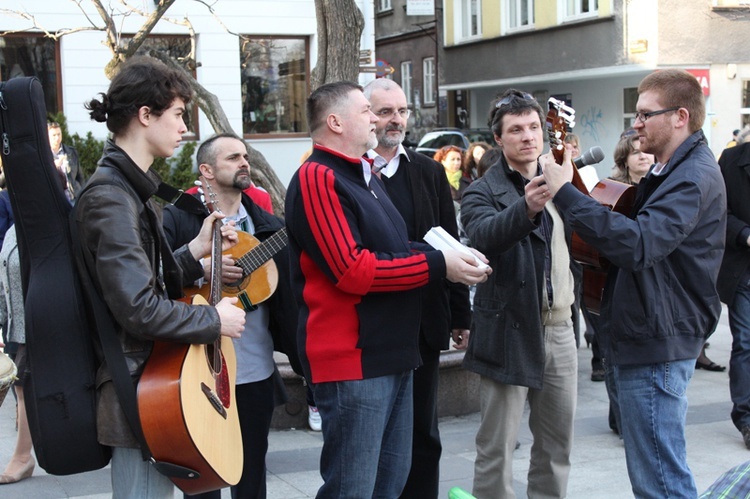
(215, 289)
(253, 259)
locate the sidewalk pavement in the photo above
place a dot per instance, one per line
(598, 460)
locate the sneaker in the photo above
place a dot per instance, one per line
(746, 435)
(313, 418)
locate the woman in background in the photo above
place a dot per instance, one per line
(450, 157)
(21, 465)
(631, 165)
(470, 164)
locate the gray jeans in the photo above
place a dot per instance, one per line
(134, 478)
(552, 410)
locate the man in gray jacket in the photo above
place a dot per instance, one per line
(522, 341)
(660, 301)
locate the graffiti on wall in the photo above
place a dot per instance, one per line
(589, 124)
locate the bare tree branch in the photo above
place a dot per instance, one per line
(135, 43)
(38, 27)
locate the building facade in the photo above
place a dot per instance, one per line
(593, 54)
(407, 40)
(255, 56)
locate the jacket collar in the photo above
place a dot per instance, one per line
(342, 164)
(682, 152)
(145, 184)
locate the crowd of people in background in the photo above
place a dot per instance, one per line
(365, 306)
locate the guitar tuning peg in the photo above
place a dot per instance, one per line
(197, 182)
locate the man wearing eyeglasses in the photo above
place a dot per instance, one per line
(523, 342)
(660, 302)
(419, 189)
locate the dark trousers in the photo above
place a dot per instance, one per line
(255, 406)
(424, 477)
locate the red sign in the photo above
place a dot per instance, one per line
(703, 77)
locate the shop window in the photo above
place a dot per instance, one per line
(29, 54)
(275, 84)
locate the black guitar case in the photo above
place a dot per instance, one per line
(60, 390)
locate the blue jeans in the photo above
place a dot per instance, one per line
(653, 408)
(739, 362)
(367, 432)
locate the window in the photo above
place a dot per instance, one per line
(406, 80)
(576, 9)
(470, 18)
(428, 80)
(177, 47)
(26, 54)
(275, 83)
(384, 5)
(629, 100)
(520, 14)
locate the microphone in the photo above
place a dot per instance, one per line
(590, 157)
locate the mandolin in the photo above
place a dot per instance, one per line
(616, 196)
(186, 401)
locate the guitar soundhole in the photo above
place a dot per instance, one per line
(218, 367)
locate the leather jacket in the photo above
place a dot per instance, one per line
(122, 241)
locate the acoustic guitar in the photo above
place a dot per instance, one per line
(259, 273)
(617, 196)
(186, 402)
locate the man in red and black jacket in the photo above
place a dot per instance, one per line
(357, 280)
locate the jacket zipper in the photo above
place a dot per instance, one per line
(5, 137)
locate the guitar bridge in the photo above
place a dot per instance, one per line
(214, 399)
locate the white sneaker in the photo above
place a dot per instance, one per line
(313, 418)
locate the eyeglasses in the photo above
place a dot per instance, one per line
(506, 100)
(404, 113)
(642, 117)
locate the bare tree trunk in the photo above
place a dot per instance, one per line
(340, 25)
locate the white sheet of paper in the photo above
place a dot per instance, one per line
(439, 239)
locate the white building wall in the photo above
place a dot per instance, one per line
(84, 56)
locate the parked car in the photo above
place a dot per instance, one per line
(461, 138)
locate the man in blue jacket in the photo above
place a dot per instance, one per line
(660, 301)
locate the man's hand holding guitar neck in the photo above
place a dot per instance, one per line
(554, 174)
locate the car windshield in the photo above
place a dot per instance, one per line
(438, 140)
